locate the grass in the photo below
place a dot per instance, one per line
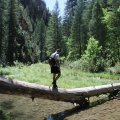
(40, 73)
(4, 116)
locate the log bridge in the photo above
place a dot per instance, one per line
(77, 95)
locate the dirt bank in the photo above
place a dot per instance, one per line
(22, 108)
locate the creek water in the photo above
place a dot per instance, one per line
(22, 108)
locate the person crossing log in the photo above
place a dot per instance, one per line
(54, 62)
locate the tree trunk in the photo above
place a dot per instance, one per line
(15, 87)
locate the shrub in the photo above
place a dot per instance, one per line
(91, 60)
(4, 116)
(115, 69)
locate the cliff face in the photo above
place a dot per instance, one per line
(36, 8)
(20, 26)
(31, 13)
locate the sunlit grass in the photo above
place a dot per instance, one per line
(70, 78)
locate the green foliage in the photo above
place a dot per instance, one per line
(115, 69)
(18, 30)
(38, 41)
(54, 34)
(91, 60)
(3, 31)
(29, 33)
(77, 42)
(4, 116)
(13, 30)
(68, 17)
(96, 26)
(42, 41)
(112, 51)
(4, 72)
(73, 53)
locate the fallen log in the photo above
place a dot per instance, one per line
(16, 87)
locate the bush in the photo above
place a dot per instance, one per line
(115, 69)
(4, 72)
(91, 60)
(4, 116)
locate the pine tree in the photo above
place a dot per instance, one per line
(77, 41)
(41, 38)
(3, 31)
(112, 51)
(96, 26)
(90, 60)
(104, 3)
(1, 28)
(54, 35)
(68, 16)
(13, 30)
(86, 17)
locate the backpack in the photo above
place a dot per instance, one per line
(52, 61)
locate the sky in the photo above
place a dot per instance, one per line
(51, 3)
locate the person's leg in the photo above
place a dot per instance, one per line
(54, 76)
(54, 79)
(58, 75)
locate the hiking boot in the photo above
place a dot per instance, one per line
(54, 84)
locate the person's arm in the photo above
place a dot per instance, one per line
(58, 60)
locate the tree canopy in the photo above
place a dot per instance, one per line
(29, 32)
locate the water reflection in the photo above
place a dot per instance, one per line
(75, 110)
(62, 115)
(49, 118)
(59, 116)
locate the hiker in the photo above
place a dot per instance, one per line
(55, 66)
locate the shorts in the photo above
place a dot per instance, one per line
(55, 69)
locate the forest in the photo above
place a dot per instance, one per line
(88, 34)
